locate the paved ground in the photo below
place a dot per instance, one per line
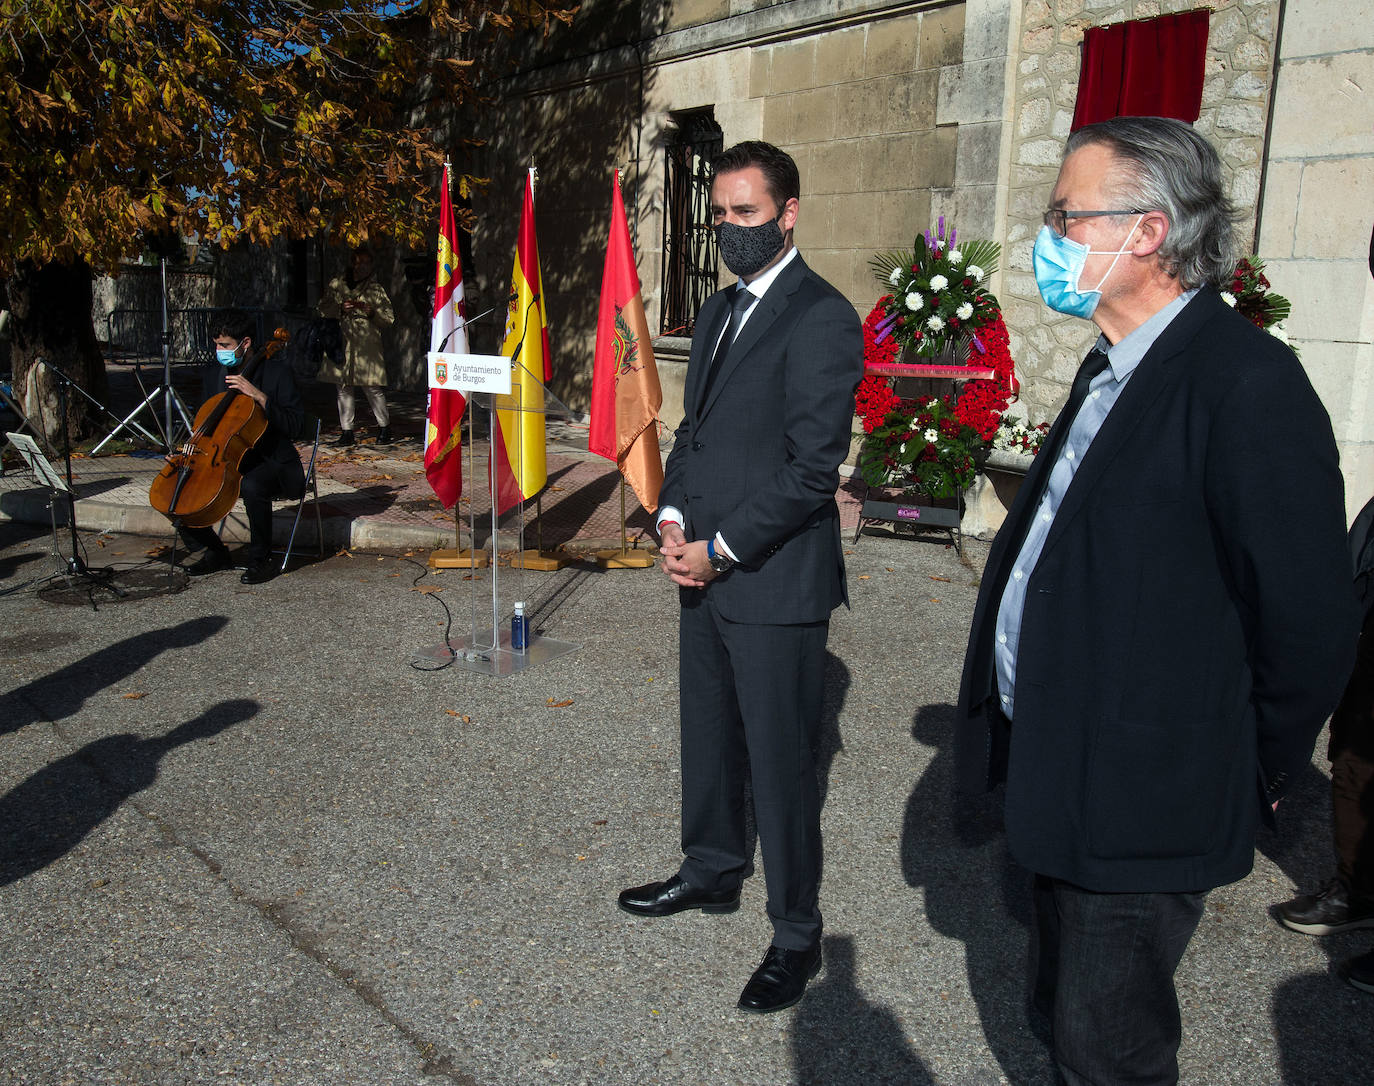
(244, 839)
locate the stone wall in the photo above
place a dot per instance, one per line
(893, 111)
(1240, 58)
(1317, 207)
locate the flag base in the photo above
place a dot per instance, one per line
(541, 560)
(455, 559)
(627, 559)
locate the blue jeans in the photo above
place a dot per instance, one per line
(1103, 974)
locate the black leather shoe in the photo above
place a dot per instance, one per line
(384, 436)
(675, 896)
(780, 980)
(1359, 972)
(1327, 912)
(259, 572)
(344, 440)
(212, 561)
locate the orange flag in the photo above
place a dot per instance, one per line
(447, 332)
(518, 443)
(625, 391)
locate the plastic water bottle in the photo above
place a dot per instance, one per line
(519, 627)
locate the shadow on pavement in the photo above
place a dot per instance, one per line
(65, 690)
(49, 814)
(953, 848)
(840, 1036)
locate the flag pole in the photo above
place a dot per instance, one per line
(538, 558)
(625, 557)
(457, 557)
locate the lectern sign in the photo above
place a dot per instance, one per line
(470, 372)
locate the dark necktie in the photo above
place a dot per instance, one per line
(1094, 364)
(741, 301)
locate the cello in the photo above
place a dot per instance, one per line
(199, 484)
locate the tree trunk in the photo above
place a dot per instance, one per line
(50, 313)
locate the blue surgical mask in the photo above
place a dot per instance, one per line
(227, 356)
(1058, 264)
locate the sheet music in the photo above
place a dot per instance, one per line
(43, 471)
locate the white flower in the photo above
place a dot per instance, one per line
(964, 312)
(955, 256)
(895, 277)
(931, 436)
(934, 324)
(914, 301)
(938, 282)
(1276, 330)
(975, 273)
(1228, 298)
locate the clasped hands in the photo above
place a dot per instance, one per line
(686, 563)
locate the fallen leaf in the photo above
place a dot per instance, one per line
(599, 822)
(134, 695)
(559, 704)
(863, 576)
(935, 578)
(427, 588)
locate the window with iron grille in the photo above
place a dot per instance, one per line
(689, 242)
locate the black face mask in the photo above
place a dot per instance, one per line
(747, 249)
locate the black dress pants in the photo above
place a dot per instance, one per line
(751, 708)
(263, 480)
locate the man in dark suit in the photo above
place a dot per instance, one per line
(750, 534)
(1166, 617)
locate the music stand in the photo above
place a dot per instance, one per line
(47, 475)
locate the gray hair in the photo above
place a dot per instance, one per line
(1166, 166)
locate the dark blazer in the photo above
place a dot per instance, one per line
(1188, 627)
(285, 407)
(757, 458)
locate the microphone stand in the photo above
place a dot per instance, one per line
(76, 565)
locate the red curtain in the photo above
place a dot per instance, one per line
(1143, 68)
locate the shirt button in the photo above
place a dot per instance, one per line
(1045, 517)
(1068, 455)
(1001, 639)
(1097, 394)
(1017, 575)
(1006, 700)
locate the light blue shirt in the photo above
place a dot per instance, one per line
(1122, 359)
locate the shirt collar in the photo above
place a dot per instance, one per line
(1123, 357)
(760, 285)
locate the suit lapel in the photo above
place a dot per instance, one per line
(1156, 372)
(766, 312)
(714, 314)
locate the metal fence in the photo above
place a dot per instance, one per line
(135, 335)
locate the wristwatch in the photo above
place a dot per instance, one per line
(721, 563)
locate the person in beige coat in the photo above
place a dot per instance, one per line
(362, 307)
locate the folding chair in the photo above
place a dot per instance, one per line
(310, 490)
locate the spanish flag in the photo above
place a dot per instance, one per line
(447, 332)
(625, 391)
(519, 442)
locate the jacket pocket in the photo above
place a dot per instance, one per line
(1155, 791)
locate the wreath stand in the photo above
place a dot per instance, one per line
(914, 514)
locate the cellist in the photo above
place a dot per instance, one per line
(272, 467)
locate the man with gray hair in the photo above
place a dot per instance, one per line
(1166, 616)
